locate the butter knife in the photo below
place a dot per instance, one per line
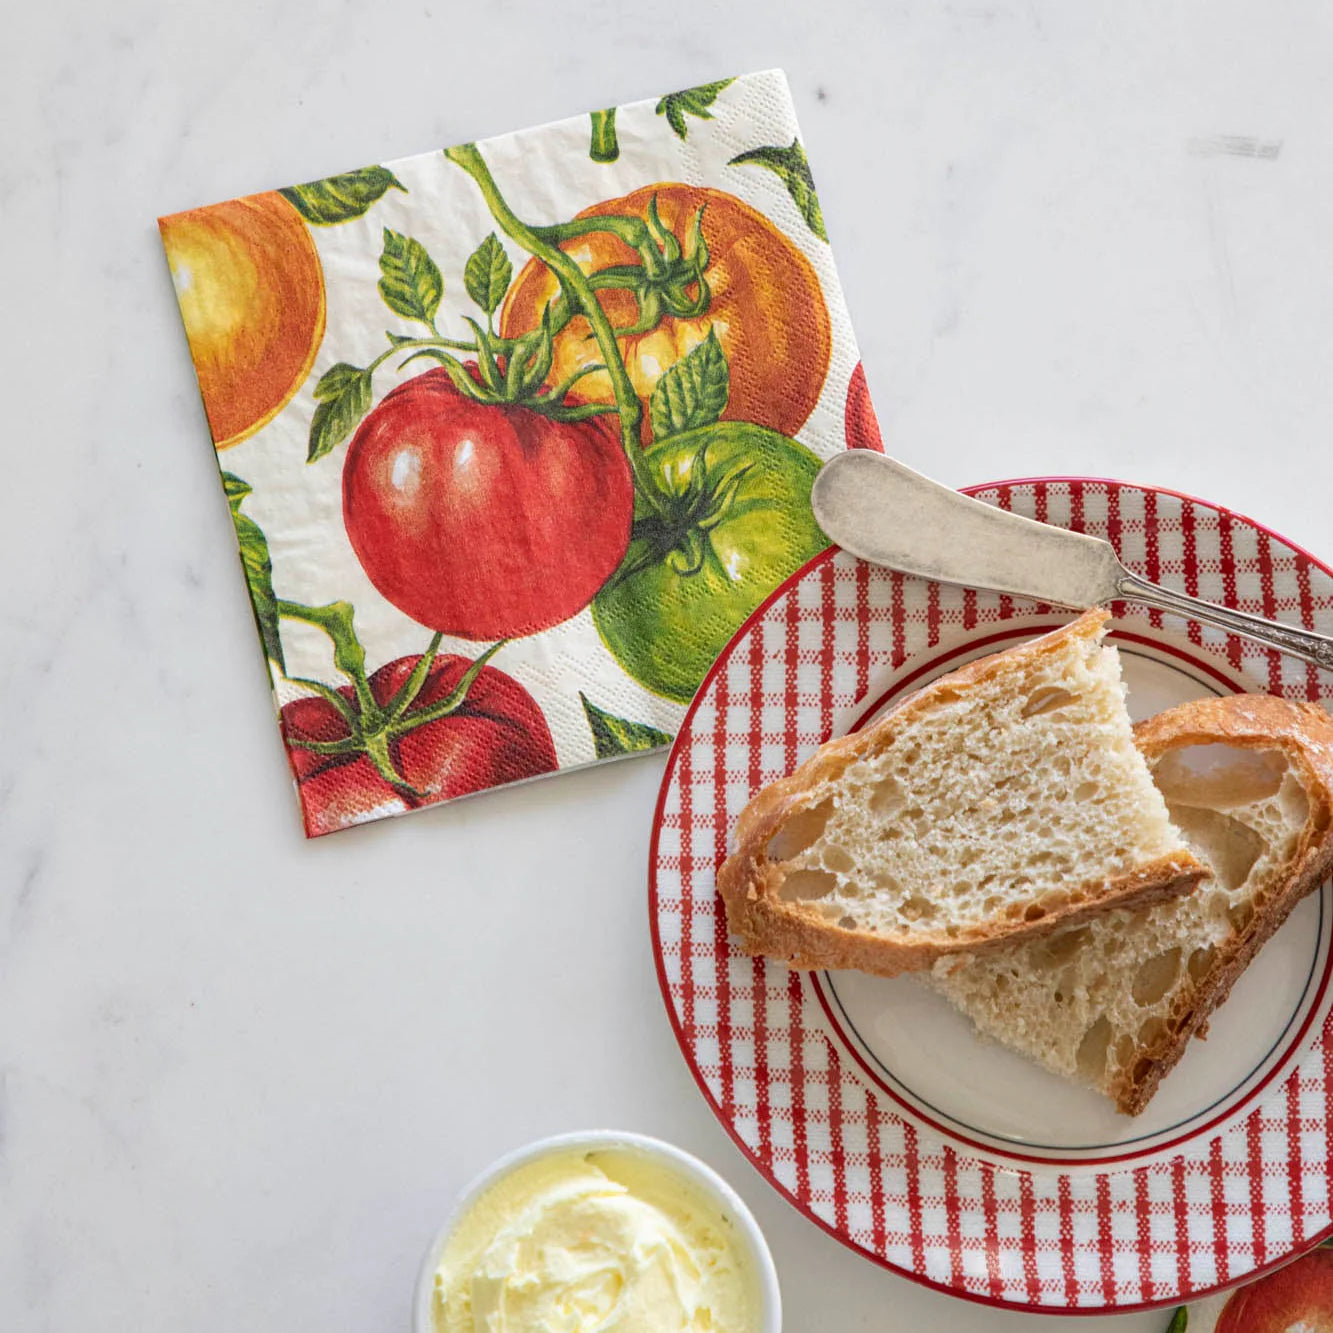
(876, 508)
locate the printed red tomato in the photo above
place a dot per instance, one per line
(496, 735)
(766, 307)
(1298, 1297)
(859, 418)
(485, 521)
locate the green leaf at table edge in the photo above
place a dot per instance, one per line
(613, 735)
(343, 398)
(692, 101)
(410, 281)
(258, 567)
(693, 392)
(335, 199)
(487, 273)
(792, 167)
(1179, 1321)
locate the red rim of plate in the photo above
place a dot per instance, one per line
(682, 736)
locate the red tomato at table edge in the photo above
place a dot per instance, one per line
(497, 735)
(484, 520)
(1286, 1299)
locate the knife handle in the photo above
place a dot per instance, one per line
(1303, 643)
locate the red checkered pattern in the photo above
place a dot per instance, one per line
(898, 1190)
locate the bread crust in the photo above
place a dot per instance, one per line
(749, 883)
(1304, 734)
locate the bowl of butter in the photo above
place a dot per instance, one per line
(599, 1231)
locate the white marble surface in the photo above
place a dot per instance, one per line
(241, 1076)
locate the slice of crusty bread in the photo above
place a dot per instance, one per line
(1113, 1003)
(999, 802)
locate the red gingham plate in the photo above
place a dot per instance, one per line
(873, 1107)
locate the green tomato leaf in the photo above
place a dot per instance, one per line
(341, 198)
(1179, 1321)
(605, 146)
(792, 167)
(487, 274)
(410, 282)
(257, 566)
(690, 101)
(613, 735)
(343, 397)
(693, 392)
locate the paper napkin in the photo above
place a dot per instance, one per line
(516, 434)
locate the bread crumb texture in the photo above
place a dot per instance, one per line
(1111, 1002)
(1002, 799)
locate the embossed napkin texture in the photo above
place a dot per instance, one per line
(514, 435)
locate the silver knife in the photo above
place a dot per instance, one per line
(887, 514)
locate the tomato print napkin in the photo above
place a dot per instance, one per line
(514, 435)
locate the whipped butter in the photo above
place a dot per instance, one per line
(601, 1241)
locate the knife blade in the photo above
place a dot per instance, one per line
(879, 509)
(882, 511)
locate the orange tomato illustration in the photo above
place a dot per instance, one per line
(251, 294)
(766, 307)
(1295, 1299)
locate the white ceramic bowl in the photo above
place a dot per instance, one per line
(689, 1168)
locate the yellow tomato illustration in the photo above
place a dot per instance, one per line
(251, 294)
